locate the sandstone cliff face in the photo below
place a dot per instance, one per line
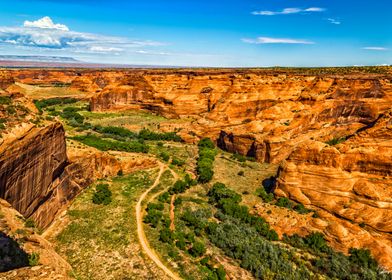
(351, 180)
(262, 115)
(30, 165)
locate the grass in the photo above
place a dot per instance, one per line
(227, 171)
(100, 241)
(43, 92)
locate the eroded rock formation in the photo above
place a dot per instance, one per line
(278, 117)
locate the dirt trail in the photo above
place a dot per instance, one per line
(140, 231)
(172, 226)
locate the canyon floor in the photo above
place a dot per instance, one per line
(196, 174)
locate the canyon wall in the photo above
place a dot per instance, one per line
(29, 166)
(330, 132)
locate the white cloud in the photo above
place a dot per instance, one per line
(334, 21)
(44, 34)
(100, 49)
(269, 40)
(375, 48)
(288, 11)
(46, 23)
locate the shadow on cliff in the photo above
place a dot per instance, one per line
(269, 184)
(12, 256)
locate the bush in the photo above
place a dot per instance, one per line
(29, 223)
(165, 156)
(316, 241)
(363, 258)
(165, 235)
(198, 249)
(300, 208)
(102, 195)
(241, 173)
(336, 141)
(284, 202)
(155, 206)
(266, 197)
(206, 143)
(153, 217)
(72, 116)
(5, 100)
(164, 197)
(219, 191)
(178, 162)
(33, 259)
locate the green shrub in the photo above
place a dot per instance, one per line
(206, 143)
(165, 235)
(155, 206)
(316, 241)
(153, 217)
(177, 162)
(219, 191)
(164, 156)
(198, 249)
(102, 195)
(266, 197)
(29, 223)
(5, 100)
(11, 110)
(284, 202)
(336, 141)
(164, 197)
(300, 208)
(362, 258)
(33, 259)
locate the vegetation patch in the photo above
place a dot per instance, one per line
(205, 162)
(106, 145)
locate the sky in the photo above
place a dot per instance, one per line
(210, 33)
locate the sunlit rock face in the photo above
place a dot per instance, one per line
(283, 117)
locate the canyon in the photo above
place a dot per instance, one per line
(329, 132)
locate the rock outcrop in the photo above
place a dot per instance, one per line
(351, 180)
(29, 166)
(18, 241)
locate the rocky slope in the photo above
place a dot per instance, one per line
(18, 241)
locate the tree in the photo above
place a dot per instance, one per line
(166, 236)
(316, 241)
(198, 249)
(102, 195)
(363, 258)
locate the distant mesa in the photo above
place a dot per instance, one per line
(34, 58)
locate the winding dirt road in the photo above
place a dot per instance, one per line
(140, 231)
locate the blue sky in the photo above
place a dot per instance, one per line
(242, 33)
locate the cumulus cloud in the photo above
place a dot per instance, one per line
(289, 11)
(375, 48)
(44, 33)
(269, 40)
(46, 23)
